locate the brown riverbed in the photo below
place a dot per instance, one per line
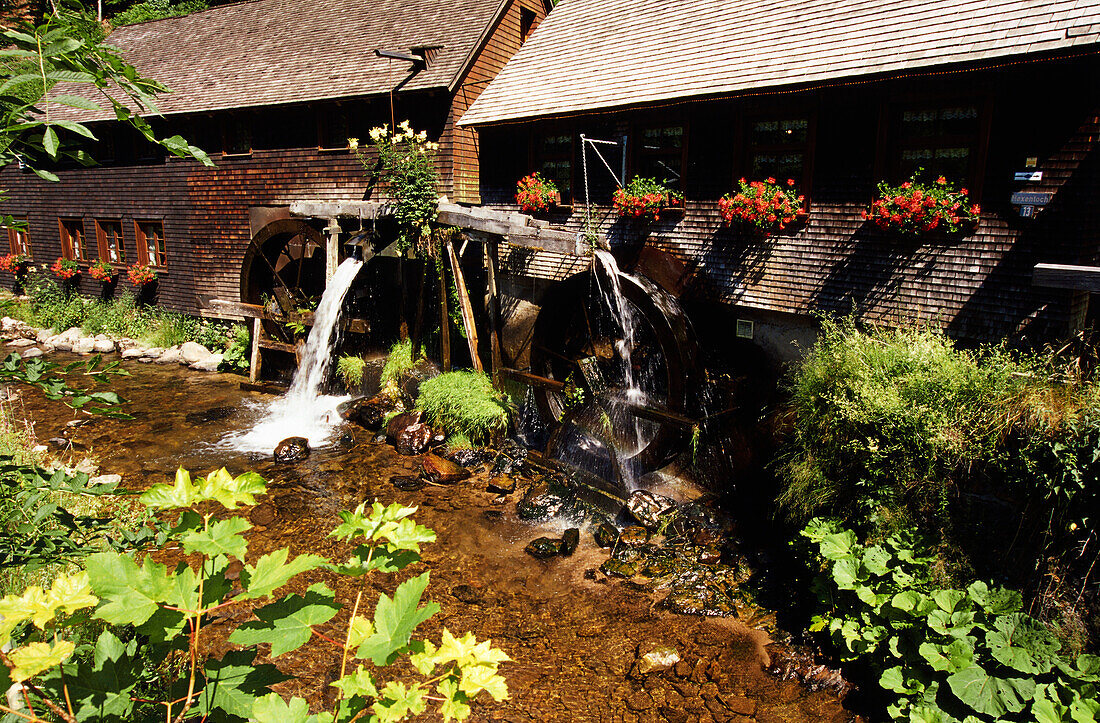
(572, 639)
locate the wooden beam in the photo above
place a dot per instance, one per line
(1063, 276)
(532, 379)
(222, 309)
(254, 357)
(444, 319)
(465, 306)
(492, 307)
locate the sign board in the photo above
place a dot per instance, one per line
(1029, 175)
(1028, 198)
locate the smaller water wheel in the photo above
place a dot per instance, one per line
(577, 342)
(285, 261)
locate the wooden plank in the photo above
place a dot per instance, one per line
(544, 242)
(220, 308)
(465, 307)
(1063, 276)
(492, 307)
(532, 379)
(254, 357)
(444, 320)
(279, 346)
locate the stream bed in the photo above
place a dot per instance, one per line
(573, 637)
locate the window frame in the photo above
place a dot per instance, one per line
(637, 150)
(747, 150)
(891, 146)
(101, 241)
(141, 242)
(536, 158)
(13, 238)
(227, 121)
(322, 117)
(66, 238)
(527, 23)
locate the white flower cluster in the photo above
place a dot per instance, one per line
(404, 133)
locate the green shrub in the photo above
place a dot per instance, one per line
(940, 654)
(237, 356)
(399, 362)
(156, 10)
(465, 403)
(350, 369)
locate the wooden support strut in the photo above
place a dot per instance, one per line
(465, 306)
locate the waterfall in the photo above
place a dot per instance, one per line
(304, 411)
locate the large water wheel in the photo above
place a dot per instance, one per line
(578, 342)
(286, 257)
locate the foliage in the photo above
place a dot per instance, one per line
(102, 271)
(141, 274)
(350, 369)
(157, 10)
(914, 208)
(767, 205)
(62, 50)
(406, 165)
(645, 198)
(236, 357)
(49, 378)
(15, 263)
(939, 654)
(171, 607)
(399, 362)
(65, 269)
(466, 403)
(535, 193)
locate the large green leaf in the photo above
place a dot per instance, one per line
(100, 689)
(949, 658)
(989, 695)
(129, 594)
(221, 538)
(838, 545)
(1022, 643)
(287, 624)
(395, 620)
(996, 601)
(235, 682)
(273, 709)
(272, 571)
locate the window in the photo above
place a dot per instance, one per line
(943, 140)
(111, 246)
(19, 240)
(237, 135)
(150, 243)
(73, 244)
(661, 155)
(554, 160)
(780, 148)
(526, 23)
(334, 128)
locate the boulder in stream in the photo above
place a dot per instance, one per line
(103, 346)
(569, 540)
(292, 449)
(210, 364)
(442, 471)
(369, 413)
(31, 353)
(502, 485)
(192, 352)
(543, 499)
(413, 439)
(400, 422)
(543, 548)
(647, 507)
(606, 534)
(84, 345)
(634, 536)
(654, 658)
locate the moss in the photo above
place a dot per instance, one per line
(350, 370)
(465, 403)
(399, 362)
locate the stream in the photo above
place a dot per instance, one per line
(572, 632)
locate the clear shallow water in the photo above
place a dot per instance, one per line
(572, 639)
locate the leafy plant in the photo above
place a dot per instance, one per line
(156, 10)
(399, 362)
(350, 369)
(15, 263)
(940, 654)
(237, 355)
(645, 198)
(102, 271)
(172, 606)
(535, 193)
(49, 378)
(65, 269)
(466, 403)
(914, 208)
(766, 205)
(405, 163)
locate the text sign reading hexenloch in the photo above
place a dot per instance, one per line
(1031, 198)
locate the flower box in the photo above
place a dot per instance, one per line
(646, 199)
(141, 275)
(915, 209)
(65, 269)
(764, 207)
(103, 271)
(536, 194)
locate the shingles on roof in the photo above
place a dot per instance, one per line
(595, 54)
(285, 51)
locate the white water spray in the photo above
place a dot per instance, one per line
(304, 411)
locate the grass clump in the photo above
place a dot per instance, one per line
(399, 362)
(350, 370)
(465, 403)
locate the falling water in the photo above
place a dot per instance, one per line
(613, 293)
(304, 411)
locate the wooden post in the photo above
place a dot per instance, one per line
(492, 304)
(403, 322)
(332, 249)
(444, 318)
(418, 324)
(254, 358)
(465, 306)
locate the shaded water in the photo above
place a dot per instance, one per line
(572, 639)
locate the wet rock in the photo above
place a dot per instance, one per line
(509, 460)
(21, 343)
(345, 442)
(263, 514)
(569, 540)
(213, 414)
(134, 353)
(710, 556)
(400, 422)
(292, 449)
(634, 536)
(442, 471)
(369, 413)
(466, 457)
(59, 443)
(210, 364)
(606, 534)
(106, 479)
(103, 346)
(543, 548)
(647, 507)
(408, 482)
(614, 567)
(413, 439)
(700, 598)
(467, 594)
(84, 345)
(192, 352)
(502, 485)
(654, 658)
(153, 352)
(545, 498)
(170, 356)
(31, 353)
(379, 439)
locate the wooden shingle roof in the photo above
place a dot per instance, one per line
(265, 52)
(597, 54)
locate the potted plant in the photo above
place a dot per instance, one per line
(102, 271)
(645, 198)
(915, 208)
(141, 275)
(535, 193)
(18, 265)
(766, 206)
(65, 269)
